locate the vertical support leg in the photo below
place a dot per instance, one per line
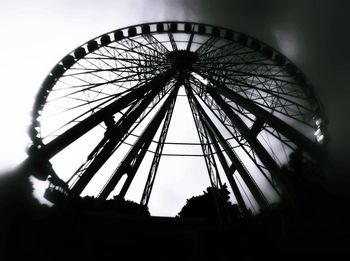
(264, 156)
(205, 142)
(249, 181)
(119, 131)
(229, 174)
(133, 159)
(157, 155)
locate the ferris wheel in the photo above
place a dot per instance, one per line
(110, 107)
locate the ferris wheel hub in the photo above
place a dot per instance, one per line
(183, 60)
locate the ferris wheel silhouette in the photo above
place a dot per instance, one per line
(251, 107)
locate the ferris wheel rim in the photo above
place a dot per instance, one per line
(170, 27)
(50, 81)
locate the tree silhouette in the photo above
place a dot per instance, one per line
(116, 205)
(214, 205)
(125, 207)
(16, 193)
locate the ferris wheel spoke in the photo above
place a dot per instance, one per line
(133, 58)
(133, 46)
(264, 102)
(94, 65)
(109, 54)
(200, 87)
(85, 88)
(152, 45)
(273, 94)
(241, 73)
(206, 46)
(127, 50)
(91, 86)
(272, 86)
(76, 119)
(86, 103)
(242, 59)
(249, 75)
(119, 75)
(121, 56)
(190, 40)
(208, 49)
(228, 50)
(109, 97)
(156, 44)
(145, 56)
(123, 63)
(124, 69)
(172, 40)
(227, 65)
(250, 62)
(87, 124)
(272, 99)
(247, 58)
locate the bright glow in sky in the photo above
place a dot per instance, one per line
(36, 35)
(287, 43)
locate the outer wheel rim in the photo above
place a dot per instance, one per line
(217, 34)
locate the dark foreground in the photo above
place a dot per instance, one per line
(56, 234)
(318, 227)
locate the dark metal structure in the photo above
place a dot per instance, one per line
(251, 107)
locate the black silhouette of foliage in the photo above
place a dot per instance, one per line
(214, 204)
(125, 207)
(116, 205)
(16, 193)
(312, 198)
(316, 226)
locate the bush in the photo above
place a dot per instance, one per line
(214, 203)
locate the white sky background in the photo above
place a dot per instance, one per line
(36, 34)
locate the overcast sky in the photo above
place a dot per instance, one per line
(36, 34)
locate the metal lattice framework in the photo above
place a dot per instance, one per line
(251, 107)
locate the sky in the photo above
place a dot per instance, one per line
(37, 34)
